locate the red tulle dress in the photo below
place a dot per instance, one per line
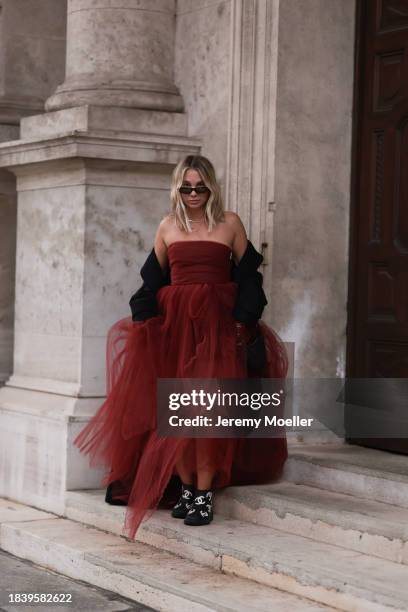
(194, 336)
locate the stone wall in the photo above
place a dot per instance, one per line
(202, 65)
(32, 51)
(313, 165)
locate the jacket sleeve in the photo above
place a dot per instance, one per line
(251, 299)
(143, 303)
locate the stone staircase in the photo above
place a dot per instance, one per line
(333, 534)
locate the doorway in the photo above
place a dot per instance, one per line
(377, 332)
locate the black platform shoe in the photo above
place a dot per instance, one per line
(185, 502)
(201, 511)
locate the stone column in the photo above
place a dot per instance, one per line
(93, 182)
(8, 228)
(119, 53)
(32, 47)
(27, 38)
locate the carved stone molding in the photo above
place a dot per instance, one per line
(251, 144)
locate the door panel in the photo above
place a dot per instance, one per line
(378, 288)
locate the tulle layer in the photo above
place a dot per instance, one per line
(194, 337)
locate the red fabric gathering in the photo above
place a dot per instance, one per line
(194, 336)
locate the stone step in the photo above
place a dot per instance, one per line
(363, 525)
(355, 470)
(325, 573)
(144, 574)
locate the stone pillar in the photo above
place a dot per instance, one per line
(119, 53)
(32, 48)
(8, 228)
(93, 182)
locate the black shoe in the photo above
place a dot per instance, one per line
(185, 502)
(201, 511)
(109, 496)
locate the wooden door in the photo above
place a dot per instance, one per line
(378, 289)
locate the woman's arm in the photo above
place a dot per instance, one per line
(160, 246)
(143, 303)
(251, 298)
(239, 246)
(240, 240)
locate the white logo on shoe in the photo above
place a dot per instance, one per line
(203, 513)
(199, 500)
(187, 494)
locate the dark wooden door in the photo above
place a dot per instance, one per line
(378, 289)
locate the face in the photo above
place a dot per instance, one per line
(194, 201)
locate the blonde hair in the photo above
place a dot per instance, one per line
(214, 208)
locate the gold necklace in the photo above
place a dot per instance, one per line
(195, 229)
(196, 220)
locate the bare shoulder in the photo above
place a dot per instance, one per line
(240, 236)
(235, 223)
(232, 218)
(166, 222)
(160, 239)
(164, 226)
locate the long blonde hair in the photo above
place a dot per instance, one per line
(214, 208)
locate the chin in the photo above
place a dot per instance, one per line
(198, 205)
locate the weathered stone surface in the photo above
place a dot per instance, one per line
(33, 52)
(37, 459)
(367, 526)
(21, 580)
(119, 54)
(12, 512)
(312, 184)
(327, 573)
(8, 229)
(202, 74)
(156, 578)
(354, 470)
(121, 121)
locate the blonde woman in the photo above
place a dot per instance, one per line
(197, 315)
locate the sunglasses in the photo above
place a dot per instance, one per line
(186, 189)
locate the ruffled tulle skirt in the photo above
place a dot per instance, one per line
(195, 336)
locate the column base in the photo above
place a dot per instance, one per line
(143, 95)
(115, 120)
(38, 462)
(13, 108)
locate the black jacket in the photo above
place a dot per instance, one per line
(250, 300)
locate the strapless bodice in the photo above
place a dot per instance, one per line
(199, 261)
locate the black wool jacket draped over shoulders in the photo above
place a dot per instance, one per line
(250, 301)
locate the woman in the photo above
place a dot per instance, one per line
(195, 316)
